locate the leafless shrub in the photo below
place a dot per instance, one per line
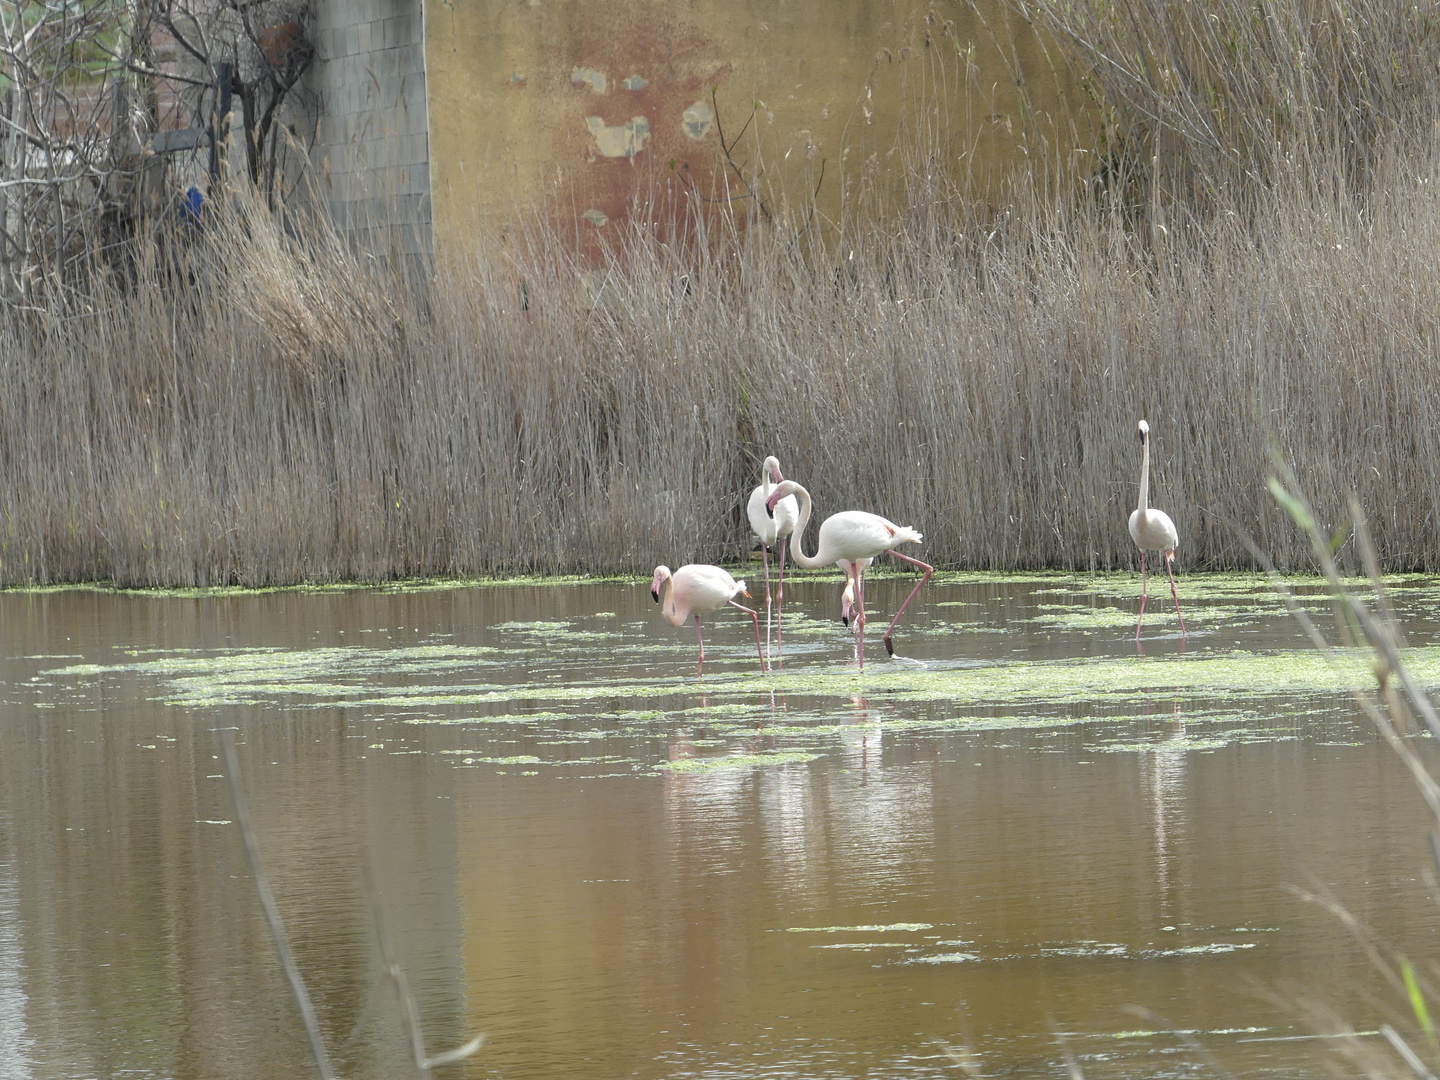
(70, 124)
(261, 49)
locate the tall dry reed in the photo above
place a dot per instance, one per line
(252, 406)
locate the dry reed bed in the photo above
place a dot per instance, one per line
(1258, 265)
(278, 412)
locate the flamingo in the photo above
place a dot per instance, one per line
(697, 588)
(1152, 530)
(770, 528)
(853, 536)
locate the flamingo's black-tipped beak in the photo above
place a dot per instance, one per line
(656, 594)
(770, 504)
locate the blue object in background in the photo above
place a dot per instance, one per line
(192, 204)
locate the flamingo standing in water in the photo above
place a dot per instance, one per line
(853, 536)
(1152, 530)
(770, 528)
(697, 588)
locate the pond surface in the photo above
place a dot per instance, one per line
(1022, 840)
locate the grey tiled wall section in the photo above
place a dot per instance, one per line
(372, 150)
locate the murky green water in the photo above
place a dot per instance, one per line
(1000, 841)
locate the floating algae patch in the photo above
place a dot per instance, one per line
(328, 675)
(280, 665)
(1197, 616)
(735, 761)
(548, 630)
(947, 958)
(1174, 745)
(1109, 680)
(502, 718)
(1087, 949)
(475, 758)
(898, 928)
(718, 710)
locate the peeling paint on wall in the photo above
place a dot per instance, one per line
(698, 119)
(626, 140)
(590, 77)
(539, 128)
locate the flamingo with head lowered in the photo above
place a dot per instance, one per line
(1152, 530)
(853, 537)
(771, 528)
(697, 588)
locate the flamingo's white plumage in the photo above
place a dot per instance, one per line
(850, 537)
(695, 589)
(772, 529)
(1152, 530)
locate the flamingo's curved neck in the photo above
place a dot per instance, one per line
(1144, 473)
(797, 539)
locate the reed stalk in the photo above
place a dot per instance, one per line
(255, 405)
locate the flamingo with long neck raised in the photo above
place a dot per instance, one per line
(770, 528)
(852, 536)
(697, 588)
(1153, 530)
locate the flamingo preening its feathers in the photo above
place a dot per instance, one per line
(771, 528)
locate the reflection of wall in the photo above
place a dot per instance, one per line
(607, 98)
(129, 926)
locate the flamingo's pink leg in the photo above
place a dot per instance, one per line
(1169, 562)
(754, 618)
(858, 624)
(780, 601)
(1143, 595)
(765, 557)
(701, 666)
(889, 648)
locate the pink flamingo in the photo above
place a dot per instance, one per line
(770, 528)
(697, 588)
(1153, 530)
(850, 537)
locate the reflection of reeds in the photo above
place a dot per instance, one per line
(391, 973)
(263, 406)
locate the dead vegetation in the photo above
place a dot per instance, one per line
(259, 406)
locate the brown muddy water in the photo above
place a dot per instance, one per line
(1005, 841)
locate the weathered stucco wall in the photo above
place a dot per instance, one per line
(585, 103)
(371, 155)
